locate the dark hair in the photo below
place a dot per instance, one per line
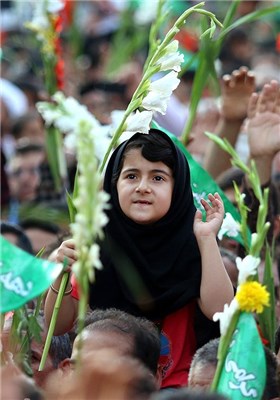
(225, 180)
(23, 241)
(60, 349)
(26, 147)
(104, 86)
(45, 226)
(154, 147)
(145, 335)
(206, 354)
(20, 123)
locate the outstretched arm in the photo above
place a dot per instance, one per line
(69, 306)
(216, 288)
(236, 91)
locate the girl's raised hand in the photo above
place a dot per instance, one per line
(214, 217)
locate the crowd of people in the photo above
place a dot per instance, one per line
(149, 330)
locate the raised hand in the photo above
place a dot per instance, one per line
(214, 217)
(236, 89)
(264, 121)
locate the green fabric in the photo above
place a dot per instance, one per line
(202, 183)
(244, 372)
(177, 7)
(188, 55)
(22, 276)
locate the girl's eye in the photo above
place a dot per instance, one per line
(158, 178)
(131, 176)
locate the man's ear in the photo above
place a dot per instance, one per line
(66, 365)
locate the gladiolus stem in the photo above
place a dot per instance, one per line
(59, 298)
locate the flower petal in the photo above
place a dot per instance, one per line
(171, 58)
(247, 267)
(229, 227)
(160, 91)
(226, 316)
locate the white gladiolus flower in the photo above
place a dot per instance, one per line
(49, 112)
(171, 59)
(70, 142)
(226, 316)
(229, 227)
(68, 115)
(90, 203)
(94, 255)
(247, 267)
(254, 238)
(160, 91)
(139, 122)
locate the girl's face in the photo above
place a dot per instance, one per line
(144, 188)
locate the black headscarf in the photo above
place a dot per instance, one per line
(155, 269)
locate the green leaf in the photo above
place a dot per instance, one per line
(40, 252)
(34, 327)
(43, 212)
(230, 13)
(267, 319)
(254, 16)
(26, 365)
(71, 207)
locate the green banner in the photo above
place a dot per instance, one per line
(22, 276)
(244, 372)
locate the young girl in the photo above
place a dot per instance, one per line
(158, 256)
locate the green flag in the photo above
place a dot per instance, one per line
(244, 372)
(22, 276)
(203, 184)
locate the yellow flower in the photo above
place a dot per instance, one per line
(252, 297)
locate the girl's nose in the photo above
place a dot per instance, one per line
(143, 187)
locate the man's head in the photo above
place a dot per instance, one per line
(30, 127)
(103, 374)
(129, 335)
(203, 365)
(42, 234)
(24, 172)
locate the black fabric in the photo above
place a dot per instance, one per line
(149, 270)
